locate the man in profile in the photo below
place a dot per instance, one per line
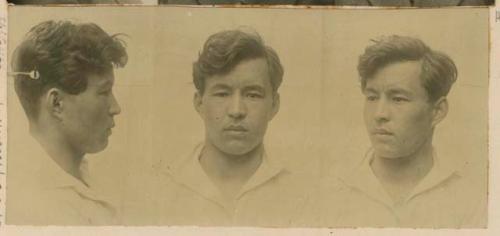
(63, 75)
(229, 179)
(402, 182)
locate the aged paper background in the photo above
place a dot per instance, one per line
(3, 110)
(319, 57)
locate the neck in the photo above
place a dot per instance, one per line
(224, 166)
(408, 169)
(57, 147)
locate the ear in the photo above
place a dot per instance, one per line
(440, 110)
(54, 102)
(197, 102)
(276, 105)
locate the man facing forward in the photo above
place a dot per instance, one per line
(229, 179)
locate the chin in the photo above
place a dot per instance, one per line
(237, 149)
(388, 153)
(388, 156)
(98, 147)
(393, 154)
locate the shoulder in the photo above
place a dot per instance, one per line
(44, 207)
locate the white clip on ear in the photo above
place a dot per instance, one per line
(34, 74)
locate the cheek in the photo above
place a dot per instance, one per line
(260, 115)
(269, 113)
(418, 125)
(367, 114)
(212, 114)
(95, 112)
(95, 107)
(422, 118)
(76, 113)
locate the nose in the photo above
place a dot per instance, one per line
(382, 111)
(115, 108)
(237, 107)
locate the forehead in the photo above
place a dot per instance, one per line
(253, 72)
(397, 76)
(102, 79)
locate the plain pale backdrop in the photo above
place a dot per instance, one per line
(319, 127)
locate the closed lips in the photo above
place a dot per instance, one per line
(236, 128)
(382, 132)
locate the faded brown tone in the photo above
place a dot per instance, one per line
(320, 119)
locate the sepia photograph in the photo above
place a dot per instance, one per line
(231, 117)
(63, 76)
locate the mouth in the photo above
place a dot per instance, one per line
(109, 130)
(382, 132)
(236, 129)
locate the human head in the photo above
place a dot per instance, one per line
(226, 49)
(438, 71)
(405, 84)
(75, 63)
(237, 77)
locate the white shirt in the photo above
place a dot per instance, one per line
(40, 192)
(187, 196)
(441, 200)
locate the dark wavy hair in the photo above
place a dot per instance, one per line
(64, 54)
(438, 71)
(224, 50)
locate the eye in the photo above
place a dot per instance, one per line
(254, 95)
(221, 94)
(400, 99)
(371, 98)
(105, 92)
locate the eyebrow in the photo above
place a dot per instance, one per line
(107, 84)
(396, 91)
(369, 90)
(392, 91)
(254, 88)
(219, 86)
(245, 88)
